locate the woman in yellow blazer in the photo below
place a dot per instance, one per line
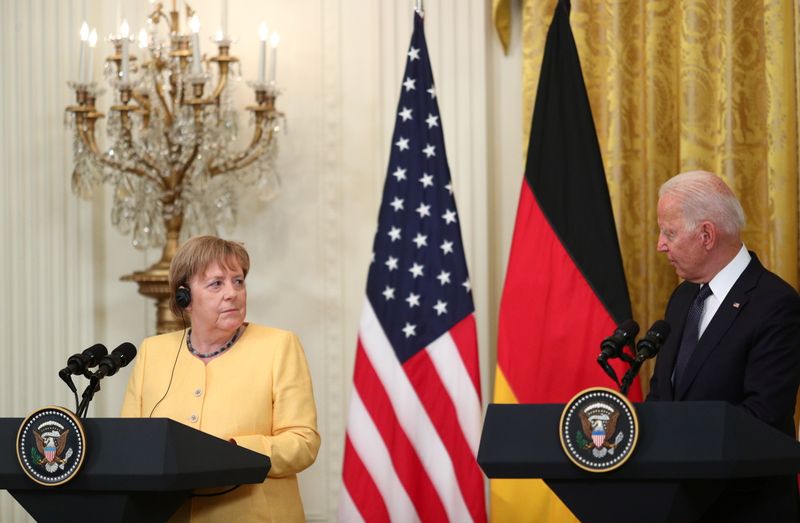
(238, 381)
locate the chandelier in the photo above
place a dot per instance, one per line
(172, 162)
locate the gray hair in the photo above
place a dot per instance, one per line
(705, 196)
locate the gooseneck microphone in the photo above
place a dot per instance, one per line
(646, 348)
(613, 347)
(78, 364)
(118, 358)
(649, 345)
(108, 366)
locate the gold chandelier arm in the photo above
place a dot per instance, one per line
(245, 158)
(86, 137)
(167, 113)
(158, 15)
(244, 161)
(103, 159)
(239, 161)
(223, 81)
(150, 162)
(145, 106)
(178, 175)
(143, 102)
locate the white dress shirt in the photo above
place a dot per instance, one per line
(721, 285)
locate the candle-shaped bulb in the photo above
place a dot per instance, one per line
(262, 53)
(82, 53)
(224, 28)
(89, 66)
(220, 34)
(142, 39)
(273, 56)
(124, 32)
(194, 24)
(124, 29)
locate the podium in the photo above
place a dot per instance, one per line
(135, 470)
(686, 454)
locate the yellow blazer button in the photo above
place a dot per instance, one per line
(193, 418)
(198, 392)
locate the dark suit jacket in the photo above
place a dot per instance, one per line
(749, 355)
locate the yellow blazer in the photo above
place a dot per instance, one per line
(257, 393)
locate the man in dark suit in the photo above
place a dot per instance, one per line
(735, 330)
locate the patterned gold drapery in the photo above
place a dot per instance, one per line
(677, 85)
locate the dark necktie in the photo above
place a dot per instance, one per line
(691, 332)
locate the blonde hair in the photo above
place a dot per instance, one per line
(705, 196)
(194, 257)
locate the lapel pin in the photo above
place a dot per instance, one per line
(736, 305)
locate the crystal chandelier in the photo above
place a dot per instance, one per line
(172, 127)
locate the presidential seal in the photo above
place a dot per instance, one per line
(598, 429)
(51, 446)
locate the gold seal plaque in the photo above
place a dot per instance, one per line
(51, 446)
(599, 429)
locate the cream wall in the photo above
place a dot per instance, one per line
(340, 67)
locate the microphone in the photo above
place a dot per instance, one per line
(118, 358)
(612, 346)
(649, 345)
(80, 363)
(646, 348)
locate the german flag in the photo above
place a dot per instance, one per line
(565, 288)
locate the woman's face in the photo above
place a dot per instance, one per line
(219, 298)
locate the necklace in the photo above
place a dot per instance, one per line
(216, 352)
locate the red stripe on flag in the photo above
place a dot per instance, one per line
(442, 412)
(464, 334)
(547, 345)
(407, 464)
(359, 483)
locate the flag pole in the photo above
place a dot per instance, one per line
(418, 7)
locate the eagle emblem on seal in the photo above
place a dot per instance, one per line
(599, 427)
(50, 445)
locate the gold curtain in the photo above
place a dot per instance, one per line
(680, 85)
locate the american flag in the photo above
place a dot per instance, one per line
(415, 413)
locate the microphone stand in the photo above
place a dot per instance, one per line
(88, 394)
(631, 361)
(608, 369)
(627, 380)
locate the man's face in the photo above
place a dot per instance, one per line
(684, 248)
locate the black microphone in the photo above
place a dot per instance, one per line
(649, 345)
(80, 363)
(118, 358)
(612, 346)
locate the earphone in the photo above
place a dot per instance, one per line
(183, 297)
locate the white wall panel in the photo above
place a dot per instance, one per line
(47, 307)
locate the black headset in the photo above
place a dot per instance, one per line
(183, 297)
